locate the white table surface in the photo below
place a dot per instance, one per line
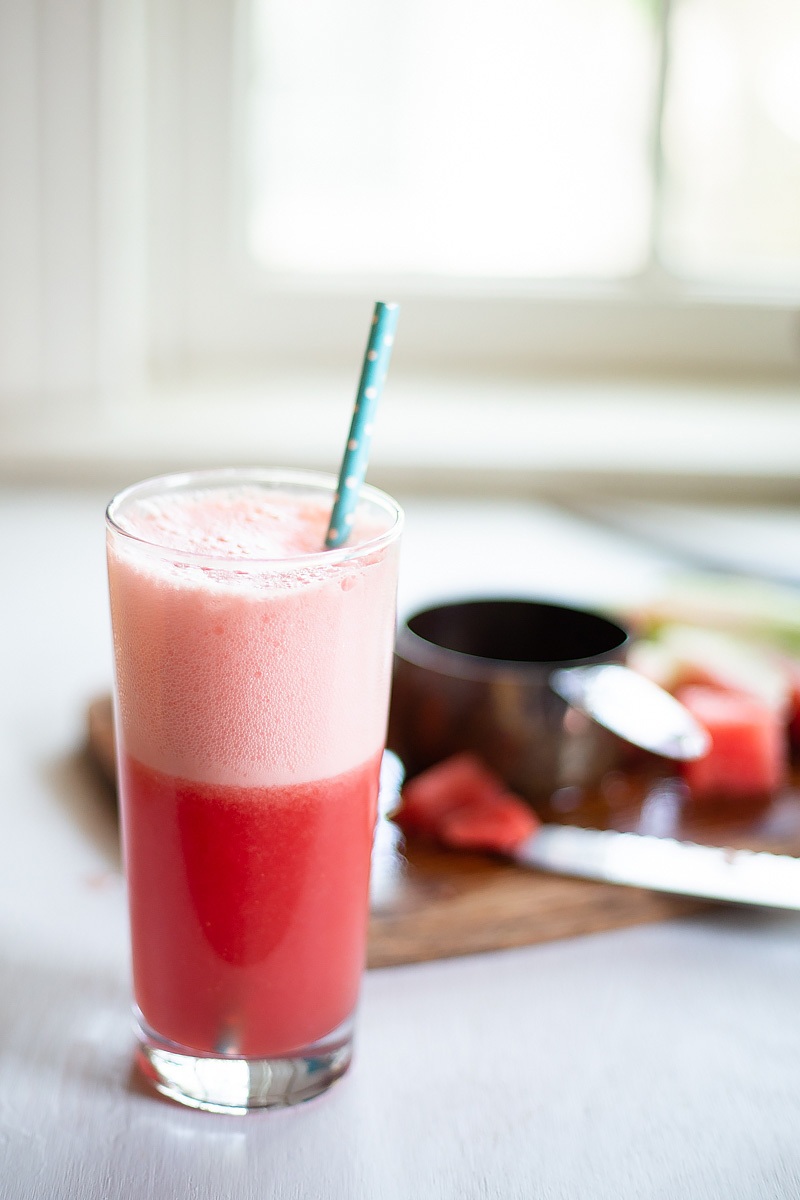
(660, 1061)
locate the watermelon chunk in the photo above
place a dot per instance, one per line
(500, 825)
(461, 803)
(749, 753)
(458, 781)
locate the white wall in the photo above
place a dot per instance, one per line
(72, 155)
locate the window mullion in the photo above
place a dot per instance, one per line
(655, 270)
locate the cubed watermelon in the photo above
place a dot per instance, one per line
(499, 825)
(461, 803)
(749, 753)
(460, 780)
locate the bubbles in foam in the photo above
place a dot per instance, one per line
(244, 522)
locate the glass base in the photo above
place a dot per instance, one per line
(227, 1084)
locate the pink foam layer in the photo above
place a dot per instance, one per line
(245, 522)
(264, 677)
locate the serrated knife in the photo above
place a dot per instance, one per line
(664, 864)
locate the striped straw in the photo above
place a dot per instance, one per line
(356, 454)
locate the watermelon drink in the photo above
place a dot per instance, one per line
(252, 685)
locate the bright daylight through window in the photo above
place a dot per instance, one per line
(582, 139)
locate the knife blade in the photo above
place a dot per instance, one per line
(664, 864)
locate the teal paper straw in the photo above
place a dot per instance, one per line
(356, 454)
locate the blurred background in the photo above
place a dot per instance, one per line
(588, 208)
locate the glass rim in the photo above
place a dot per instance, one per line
(220, 476)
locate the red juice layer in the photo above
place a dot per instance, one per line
(248, 906)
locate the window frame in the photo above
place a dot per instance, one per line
(213, 310)
(122, 269)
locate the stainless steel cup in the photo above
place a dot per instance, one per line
(495, 676)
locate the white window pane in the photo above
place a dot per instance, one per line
(451, 136)
(732, 141)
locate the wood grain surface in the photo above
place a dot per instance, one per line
(443, 904)
(453, 903)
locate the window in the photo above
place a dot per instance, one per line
(225, 185)
(731, 205)
(547, 183)
(524, 139)
(452, 137)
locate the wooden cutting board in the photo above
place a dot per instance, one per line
(443, 904)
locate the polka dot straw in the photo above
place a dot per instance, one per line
(356, 454)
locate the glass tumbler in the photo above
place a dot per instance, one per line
(250, 704)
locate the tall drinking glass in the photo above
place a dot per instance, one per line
(252, 687)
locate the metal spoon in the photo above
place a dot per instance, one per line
(633, 707)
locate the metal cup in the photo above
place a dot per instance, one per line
(476, 675)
